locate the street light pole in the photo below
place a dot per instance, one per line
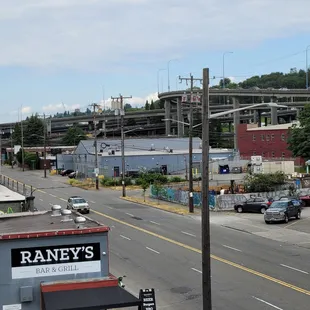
(95, 106)
(158, 78)
(44, 136)
(122, 113)
(205, 215)
(168, 69)
(307, 69)
(22, 137)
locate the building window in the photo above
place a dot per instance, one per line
(283, 137)
(254, 153)
(267, 138)
(272, 154)
(283, 154)
(262, 137)
(272, 137)
(263, 154)
(254, 138)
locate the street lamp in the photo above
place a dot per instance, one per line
(158, 71)
(168, 68)
(224, 66)
(307, 69)
(205, 213)
(44, 147)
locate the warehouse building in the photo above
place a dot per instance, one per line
(167, 155)
(57, 260)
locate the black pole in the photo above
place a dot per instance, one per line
(190, 153)
(205, 216)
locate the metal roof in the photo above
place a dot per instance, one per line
(6, 195)
(158, 144)
(273, 127)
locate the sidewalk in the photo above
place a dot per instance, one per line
(137, 197)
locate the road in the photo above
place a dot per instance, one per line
(157, 249)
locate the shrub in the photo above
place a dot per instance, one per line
(176, 179)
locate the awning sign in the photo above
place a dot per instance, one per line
(55, 260)
(147, 297)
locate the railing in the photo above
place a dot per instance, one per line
(16, 186)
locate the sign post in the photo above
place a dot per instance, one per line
(147, 297)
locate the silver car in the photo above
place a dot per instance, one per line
(78, 203)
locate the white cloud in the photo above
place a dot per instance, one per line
(115, 33)
(26, 110)
(59, 107)
(23, 110)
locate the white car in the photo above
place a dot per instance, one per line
(78, 203)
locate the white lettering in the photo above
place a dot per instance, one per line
(64, 254)
(39, 257)
(89, 252)
(75, 252)
(25, 257)
(52, 255)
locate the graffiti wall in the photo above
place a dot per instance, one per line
(178, 196)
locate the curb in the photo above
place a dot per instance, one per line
(159, 207)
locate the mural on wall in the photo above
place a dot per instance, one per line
(179, 196)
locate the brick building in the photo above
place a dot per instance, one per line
(270, 142)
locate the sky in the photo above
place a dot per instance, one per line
(61, 55)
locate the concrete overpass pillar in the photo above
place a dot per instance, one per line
(148, 121)
(297, 113)
(236, 105)
(168, 116)
(274, 116)
(180, 118)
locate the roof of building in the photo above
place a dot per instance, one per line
(273, 127)
(8, 195)
(43, 224)
(156, 144)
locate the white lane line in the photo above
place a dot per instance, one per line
(40, 199)
(155, 223)
(92, 201)
(125, 237)
(50, 204)
(196, 270)
(229, 247)
(267, 303)
(109, 207)
(286, 266)
(152, 250)
(186, 233)
(52, 195)
(129, 214)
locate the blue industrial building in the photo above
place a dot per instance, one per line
(166, 154)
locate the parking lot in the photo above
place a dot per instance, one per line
(295, 232)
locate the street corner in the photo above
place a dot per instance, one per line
(164, 207)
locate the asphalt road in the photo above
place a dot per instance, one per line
(157, 249)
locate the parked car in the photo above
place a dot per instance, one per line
(257, 204)
(72, 175)
(78, 203)
(66, 172)
(302, 203)
(283, 211)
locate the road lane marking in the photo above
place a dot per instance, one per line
(40, 199)
(214, 257)
(155, 223)
(129, 214)
(150, 249)
(286, 266)
(110, 207)
(217, 258)
(196, 270)
(92, 201)
(53, 195)
(186, 233)
(124, 237)
(229, 247)
(267, 303)
(50, 204)
(61, 199)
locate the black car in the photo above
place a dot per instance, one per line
(66, 172)
(283, 211)
(257, 204)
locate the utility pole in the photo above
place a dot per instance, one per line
(121, 110)
(205, 213)
(44, 145)
(95, 106)
(22, 137)
(11, 154)
(190, 147)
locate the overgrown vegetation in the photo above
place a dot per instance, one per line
(264, 182)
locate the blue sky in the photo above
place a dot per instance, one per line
(78, 51)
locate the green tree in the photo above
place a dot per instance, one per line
(152, 105)
(215, 133)
(73, 136)
(299, 136)
(147, 105)
(264, 182)
(127, 107)
(16, 135)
